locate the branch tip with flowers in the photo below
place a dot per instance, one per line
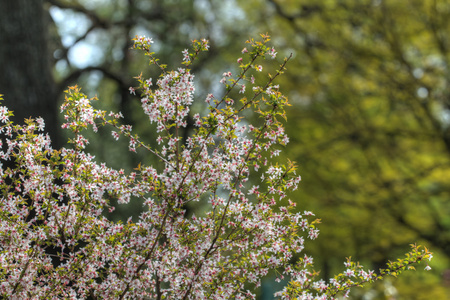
(56, 199)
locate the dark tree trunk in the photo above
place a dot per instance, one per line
(25, 73)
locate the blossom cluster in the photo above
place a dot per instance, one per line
(55, 241)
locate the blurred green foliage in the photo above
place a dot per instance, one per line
(370, 128)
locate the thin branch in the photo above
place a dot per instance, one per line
(105, 71)
(98, 22)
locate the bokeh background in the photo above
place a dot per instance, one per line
(369, 84)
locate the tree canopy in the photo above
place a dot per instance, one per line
(371, 129)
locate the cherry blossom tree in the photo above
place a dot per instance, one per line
(57, 198)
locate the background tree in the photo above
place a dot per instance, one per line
(26, 79)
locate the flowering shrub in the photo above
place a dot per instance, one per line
(55, 241)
